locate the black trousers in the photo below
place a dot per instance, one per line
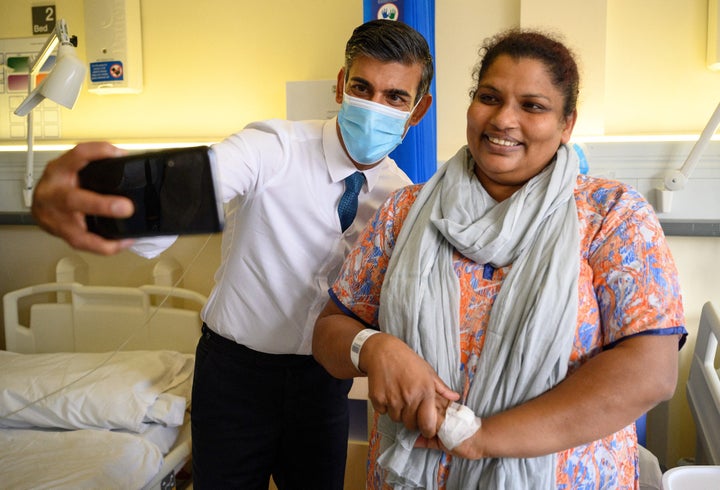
(255, 415)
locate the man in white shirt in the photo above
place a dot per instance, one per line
(261, 404)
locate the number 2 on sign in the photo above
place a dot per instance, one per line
(43, 19)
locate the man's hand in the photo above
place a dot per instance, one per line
(60, 204)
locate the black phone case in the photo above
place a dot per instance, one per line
(173, 192)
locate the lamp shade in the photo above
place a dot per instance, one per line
(61, 85)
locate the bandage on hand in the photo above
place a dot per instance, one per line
(460, 423)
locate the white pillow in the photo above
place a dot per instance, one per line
(121, 390)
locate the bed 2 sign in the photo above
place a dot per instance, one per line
(43, 19)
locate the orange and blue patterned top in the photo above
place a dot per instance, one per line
(628, 286)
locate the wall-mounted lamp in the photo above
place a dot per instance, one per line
(61, 85)
(676, 180)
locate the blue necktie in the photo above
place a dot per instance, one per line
(347, 208)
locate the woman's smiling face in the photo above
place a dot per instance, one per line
(515, 124)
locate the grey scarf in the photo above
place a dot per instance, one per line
(532, 323)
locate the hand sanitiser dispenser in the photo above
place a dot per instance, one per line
(113, 46)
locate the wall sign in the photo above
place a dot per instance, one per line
(106, 71)
(43, 19)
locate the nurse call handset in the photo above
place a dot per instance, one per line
(175, 192)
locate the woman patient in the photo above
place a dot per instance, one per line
(527, 314)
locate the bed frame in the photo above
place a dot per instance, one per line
(703, 387)
(63, 317)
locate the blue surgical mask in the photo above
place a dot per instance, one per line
(370, 130)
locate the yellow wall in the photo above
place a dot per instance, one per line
(657, 81)
(212, 66)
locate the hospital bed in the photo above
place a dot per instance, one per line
(95, 385)
(703, 394)
(703, 387)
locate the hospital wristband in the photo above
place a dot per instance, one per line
(357, 345)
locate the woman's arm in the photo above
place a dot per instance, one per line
(604, 395)
(400, 383)
(332, 337)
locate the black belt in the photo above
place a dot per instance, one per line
(246, 353)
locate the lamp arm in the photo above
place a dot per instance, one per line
(59, 35)
(677, 179)
(29, 164)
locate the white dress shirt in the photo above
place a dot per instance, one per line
(282, 245)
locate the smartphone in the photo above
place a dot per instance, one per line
(175, 192)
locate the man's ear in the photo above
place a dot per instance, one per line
(340, 86)
(420, 110)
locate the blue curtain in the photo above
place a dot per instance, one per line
(417, 155)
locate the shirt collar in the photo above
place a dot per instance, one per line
(339, 163)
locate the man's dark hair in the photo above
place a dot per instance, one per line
(388, 41)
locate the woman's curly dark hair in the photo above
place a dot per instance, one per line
(524, 43)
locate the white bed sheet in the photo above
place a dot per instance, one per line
(163, 437)
(122, 390)
(127, 392)
(78, 459)
(118, 411)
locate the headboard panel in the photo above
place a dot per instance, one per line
(102, 318)
(703, 387)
